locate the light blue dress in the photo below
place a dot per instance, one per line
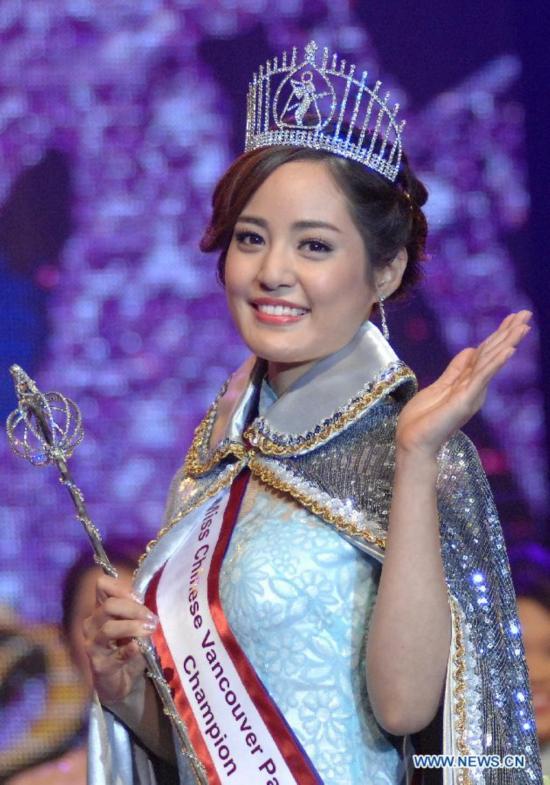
(298, 598)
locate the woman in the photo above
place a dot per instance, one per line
(315, 464)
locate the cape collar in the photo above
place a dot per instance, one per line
(328, 398)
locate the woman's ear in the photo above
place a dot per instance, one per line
(389, 277)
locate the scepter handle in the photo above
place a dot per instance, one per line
(100, 556)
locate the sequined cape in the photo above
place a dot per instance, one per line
(329, 443)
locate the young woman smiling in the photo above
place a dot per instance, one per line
(331, 580)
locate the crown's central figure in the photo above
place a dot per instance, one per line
(305, 111)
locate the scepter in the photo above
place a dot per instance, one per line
(45, 429)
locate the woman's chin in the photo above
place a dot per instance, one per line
(279, 355)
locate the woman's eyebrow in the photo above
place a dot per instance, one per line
(315, 225)
(252, 219)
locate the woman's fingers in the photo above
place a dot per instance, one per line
(519, 317)
(113, 601)
(109, 633)
(107, 630)
(471, 371)
(110, 665)
(126, 608)
(498, 344)
(126, 651)
(501, 351)
(466, 363)
(123, 609)
(110, 587)
(491, 365)
(507, 328)
(475, 383)
(118, 629)
(457, 367)
(117, 617)
(515, 327)
(503, 326)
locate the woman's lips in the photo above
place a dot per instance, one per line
(278, 312)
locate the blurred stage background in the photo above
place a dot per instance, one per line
(116, 119)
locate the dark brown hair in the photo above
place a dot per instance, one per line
(387, 215)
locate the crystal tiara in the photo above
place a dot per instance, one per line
(325, 108)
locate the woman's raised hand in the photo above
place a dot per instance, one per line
(436, 412)
(116, 662)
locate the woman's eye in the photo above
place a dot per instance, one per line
(315, 246)
(248, 238)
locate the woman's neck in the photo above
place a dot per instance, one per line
(282, 375)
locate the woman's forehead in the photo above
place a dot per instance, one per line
(301, 191)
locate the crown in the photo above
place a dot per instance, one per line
(323, 107)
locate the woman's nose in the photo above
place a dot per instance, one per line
(276, 269)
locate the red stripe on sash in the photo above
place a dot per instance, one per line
(295, 757)
(178, 693)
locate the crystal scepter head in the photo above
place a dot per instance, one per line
(45, 427)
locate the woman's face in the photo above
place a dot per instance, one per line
(535, 623)
(298, 280)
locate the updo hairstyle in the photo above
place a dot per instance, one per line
(387, 215)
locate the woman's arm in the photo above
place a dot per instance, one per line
(409, 634)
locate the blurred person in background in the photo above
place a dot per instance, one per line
(78, 601)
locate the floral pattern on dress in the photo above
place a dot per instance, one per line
(298, 598)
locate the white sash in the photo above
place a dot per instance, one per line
(236, 729)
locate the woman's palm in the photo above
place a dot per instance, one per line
(438, 411)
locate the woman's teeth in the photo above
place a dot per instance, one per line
(281, 310)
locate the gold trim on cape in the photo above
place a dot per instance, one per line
(274, 444)
(323, 511)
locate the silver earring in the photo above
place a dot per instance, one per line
(385, 331)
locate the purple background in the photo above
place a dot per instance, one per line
(116, 120)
